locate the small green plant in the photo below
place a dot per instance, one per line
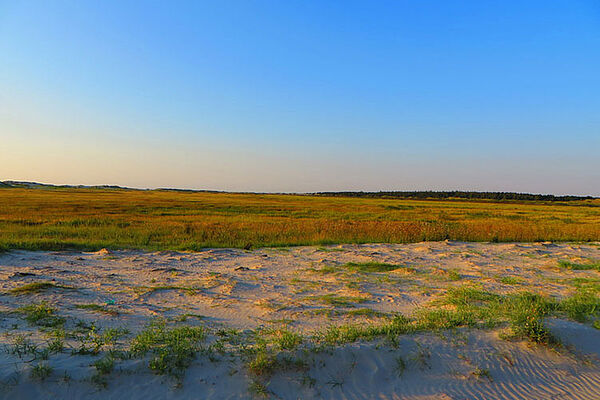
(421, 356)
(482, 373)
(22, 346)
(263, 363)
(453, 274)
(400, 365)
(258, 389)
(41, 371)
(105, 365)
(287, 340)
(56, 345)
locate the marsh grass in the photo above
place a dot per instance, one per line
(91, 219)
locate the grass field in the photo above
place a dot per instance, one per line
(55, 219)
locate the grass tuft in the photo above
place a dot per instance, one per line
(593, 265)
(34, 287)
(41, 314)
(173, 349)
(373, 266)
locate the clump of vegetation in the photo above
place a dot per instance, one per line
(23, 346)
(592, 265)
(526, 312)
(373, 266)
(263, 363)
(287, 340)
(581, 306)
(41, 314)
(41, 371)
(338, 300)
(172, 349)
(93, 339)
(468, 296)
(482, 373)
(511, 280)
(257, 388)
(34, 287)
(104, 367)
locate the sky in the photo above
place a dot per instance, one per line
(303, 96)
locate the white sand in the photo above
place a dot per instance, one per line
(248, 289)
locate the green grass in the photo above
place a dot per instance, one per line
(511, 280)
(34, 287)
(263, 364)
(592, 265)
(172, 349)
(151, 289)
(41, 314)
(105, 365)
(581, 306)
(338, 300)
(376, 267)
(287, 340)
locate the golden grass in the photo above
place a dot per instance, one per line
(93, 218)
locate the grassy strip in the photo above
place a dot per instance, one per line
(154, 220)
(36, 287)
(594, 265)
(376, 267)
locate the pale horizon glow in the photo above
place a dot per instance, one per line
(302, 96)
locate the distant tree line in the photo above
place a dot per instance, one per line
(455, 194)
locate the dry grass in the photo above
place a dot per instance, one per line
(92, 219)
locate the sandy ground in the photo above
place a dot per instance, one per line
(295, 287)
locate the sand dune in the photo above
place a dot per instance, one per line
(271, 287)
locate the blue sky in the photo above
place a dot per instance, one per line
(303, 95)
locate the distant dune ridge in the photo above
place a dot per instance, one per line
(422, 194)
